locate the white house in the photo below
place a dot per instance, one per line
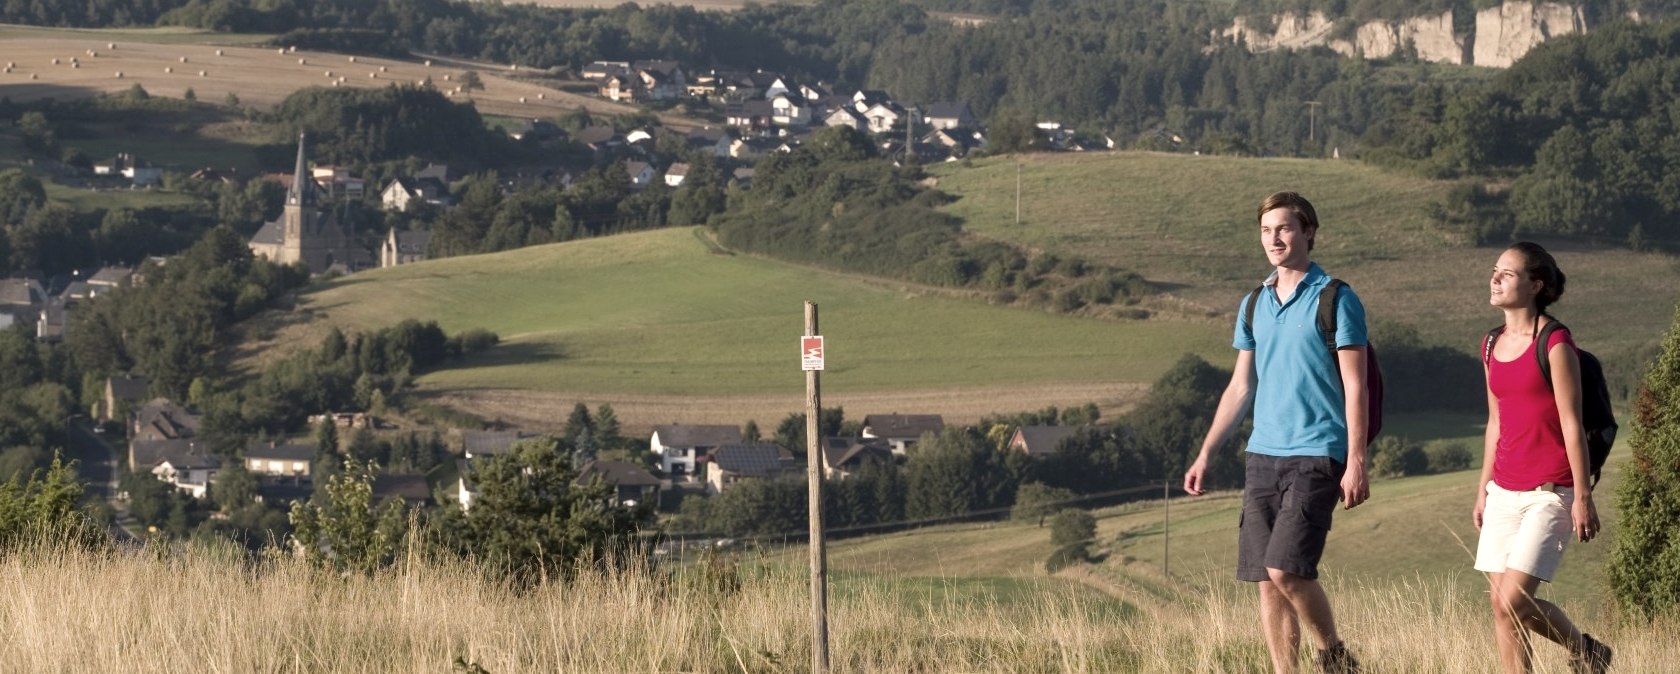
(683, 449)
(901, 430)
(788, 109)
(676, 174)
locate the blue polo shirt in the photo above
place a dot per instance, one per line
(1299, 409)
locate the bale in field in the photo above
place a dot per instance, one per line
(119, 74)
(381, 68)
(111, 45)
(183, 59)
(218, 52)
(428, 63)
(168, 69)
(303, 62)
(201, 73)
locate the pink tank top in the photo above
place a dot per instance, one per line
(1530, 450)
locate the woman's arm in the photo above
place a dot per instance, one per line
(1566, 390)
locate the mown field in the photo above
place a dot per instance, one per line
(667, 329)
(1187, 223)
(259, 76)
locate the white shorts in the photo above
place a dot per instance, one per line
(1525, 530)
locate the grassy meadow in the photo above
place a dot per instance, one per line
(956, 598)
(1187, 223)
(660, 315)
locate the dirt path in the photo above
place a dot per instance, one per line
(639, 413)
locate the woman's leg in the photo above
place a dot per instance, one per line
(1515, 591)
(1508, 631)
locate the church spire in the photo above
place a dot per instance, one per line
(302, 192)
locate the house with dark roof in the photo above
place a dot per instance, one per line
(684, 449)
(598, 137)
(960, 139)
(482, 444)
(600, 70)
(122, 394)
(751, 461)
(21, 300)
(901, 430)
(182, 462)
(403, 192)
(108, 279)
(273, 458)
(403, 247)
(641, 174)
(1041, 440)
(163, 419)
(949, 114)
(844, 457)
(412, 489)
(631, 484)
(54, 317)
(846, 117)
(536, 131)
(752, 115)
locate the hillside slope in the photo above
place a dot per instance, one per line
(667, 329)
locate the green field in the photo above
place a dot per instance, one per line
(1414, 530)
(660, 312)
(1187, 224)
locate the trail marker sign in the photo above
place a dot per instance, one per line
(811, 353)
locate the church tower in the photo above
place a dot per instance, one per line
(300, 217)
(303, 233)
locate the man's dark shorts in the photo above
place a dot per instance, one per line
(1287, 504)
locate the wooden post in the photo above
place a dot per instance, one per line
(814, 473)
(1166, 523)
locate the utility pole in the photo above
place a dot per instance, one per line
(811, 361)
(1017, 192)
(1312, 120)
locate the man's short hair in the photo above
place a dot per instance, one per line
(1296, 204)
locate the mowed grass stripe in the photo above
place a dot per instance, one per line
(655, 312)
(1187, 224)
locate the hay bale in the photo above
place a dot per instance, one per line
(218, 52)
(111, 46)
(303, 62)
(202, 73)
(428, 63)
(541, 96)
(183, 59)
(381, 68)
(119, 74)
(352, 59)
(521, 99)
(168, 69)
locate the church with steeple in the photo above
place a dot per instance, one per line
(305, 234)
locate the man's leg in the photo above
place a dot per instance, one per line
(1308, 603)
(1282, 628)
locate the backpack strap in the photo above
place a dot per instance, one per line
(1541, 338)
(1248, 309)
(1487, 345)
(1327, 316)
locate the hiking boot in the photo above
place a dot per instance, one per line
(1593, 658)
(1337, 660)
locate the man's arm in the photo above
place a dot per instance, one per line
(1233, 405)
(1355, 484)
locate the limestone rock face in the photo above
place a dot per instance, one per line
(1502, 35)
(1506, 32)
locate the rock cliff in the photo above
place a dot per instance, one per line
(1502, 34)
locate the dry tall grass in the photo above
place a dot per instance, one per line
(205, 610)
(200, 610)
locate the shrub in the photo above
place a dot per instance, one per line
(1447, 457)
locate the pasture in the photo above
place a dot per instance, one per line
(667, 329)
(1187, 223)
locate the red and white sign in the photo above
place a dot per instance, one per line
(811, 353)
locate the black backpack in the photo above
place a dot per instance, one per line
(1597, 419)
(1327, 330)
